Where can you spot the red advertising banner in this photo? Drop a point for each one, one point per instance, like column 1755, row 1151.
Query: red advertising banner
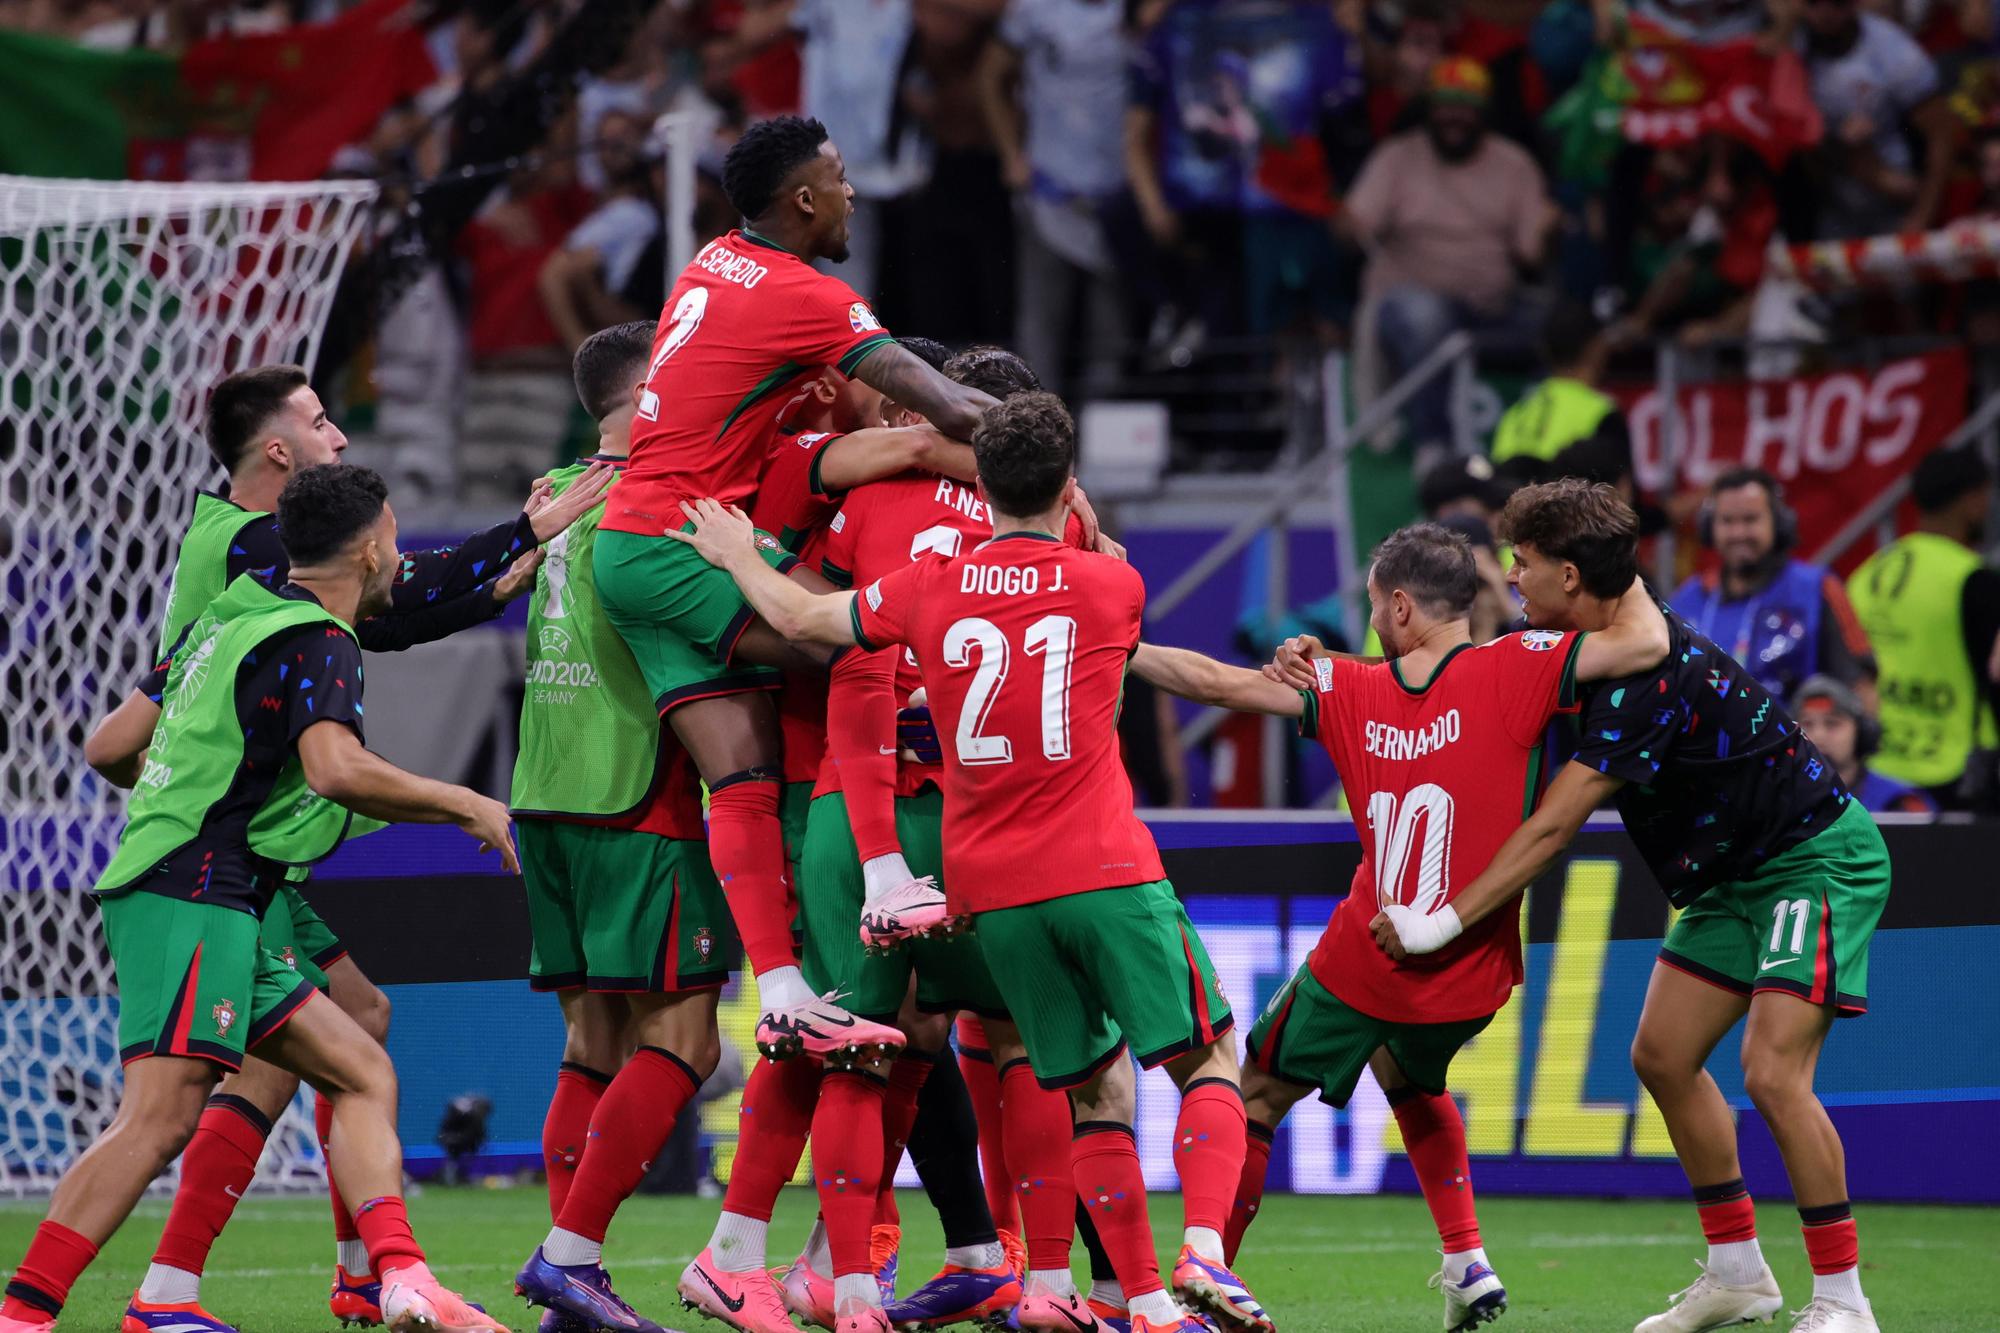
column 1835, row 440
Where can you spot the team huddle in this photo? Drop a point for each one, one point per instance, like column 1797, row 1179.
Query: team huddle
column 893, row 662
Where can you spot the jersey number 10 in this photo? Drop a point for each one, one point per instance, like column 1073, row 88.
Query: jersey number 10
column 1395, row 826
column 1051, row 637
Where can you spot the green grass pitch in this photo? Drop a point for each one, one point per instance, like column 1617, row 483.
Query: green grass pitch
column 1319, row 1264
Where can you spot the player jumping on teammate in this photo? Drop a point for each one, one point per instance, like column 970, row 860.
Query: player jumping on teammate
column 1100, row 956
column 747, row 319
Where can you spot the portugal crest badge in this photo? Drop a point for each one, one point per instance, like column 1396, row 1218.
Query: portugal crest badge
column 704, row 943
column 224, row 1015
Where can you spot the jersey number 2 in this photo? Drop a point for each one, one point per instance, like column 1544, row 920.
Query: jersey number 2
column 682, row 321
column 1395, row 826
column 1054, row 638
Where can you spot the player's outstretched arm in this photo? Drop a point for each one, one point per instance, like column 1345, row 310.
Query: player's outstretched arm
column 724, row 536
column 117, row 744
column 1528, row 851
column 862, row 456
column 1194, row 676
column 1634, row 641
column 906, row 378
column 343, row 770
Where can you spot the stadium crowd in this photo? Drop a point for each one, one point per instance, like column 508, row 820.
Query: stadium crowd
column 1161, row 183
column 1143, row 185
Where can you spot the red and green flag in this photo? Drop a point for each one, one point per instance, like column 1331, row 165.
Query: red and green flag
column 273, row 106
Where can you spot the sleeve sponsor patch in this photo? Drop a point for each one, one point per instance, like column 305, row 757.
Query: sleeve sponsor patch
column 1323, row 666
column 862, row 318
column 874, row 595
column 839, row 521
column 1540, row 640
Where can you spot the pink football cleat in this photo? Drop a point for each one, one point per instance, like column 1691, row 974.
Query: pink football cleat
column 915, row 908
column 414, row 1301
column 822, row 1028
column 746, row 1301
column 1058, row 1314
column 807, row 1294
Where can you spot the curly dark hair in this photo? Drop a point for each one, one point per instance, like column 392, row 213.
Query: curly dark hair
column 758, row 163
column 928, row 350
column 607, row 362
column 992, row 370
column 1025, row 448
column 1432, row 564
column 1586, row 523
column 323, row 509
column 243, row 404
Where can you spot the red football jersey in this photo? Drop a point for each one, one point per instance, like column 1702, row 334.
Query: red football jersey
column 1023, row 642
column 882, row 527
column 744, row 321
column 1438, row 776
column 791, row 504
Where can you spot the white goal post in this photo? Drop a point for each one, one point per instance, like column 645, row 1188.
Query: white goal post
column 121, row 304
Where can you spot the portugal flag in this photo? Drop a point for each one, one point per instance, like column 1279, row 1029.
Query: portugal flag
column 275, row 106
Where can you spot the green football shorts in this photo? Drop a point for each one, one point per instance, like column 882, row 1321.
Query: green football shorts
column 193, row 980
column 622, row 911
column 951, row 974
column 680, row 615
column 1088, row 974
column 1309, row 1037
column 1800, row 924
column 794, row 808
column 294, row 932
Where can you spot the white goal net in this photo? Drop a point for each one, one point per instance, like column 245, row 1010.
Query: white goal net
column 121, row 304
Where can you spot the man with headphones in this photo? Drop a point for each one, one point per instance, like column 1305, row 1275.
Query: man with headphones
column 1782, row 618
column 1832, row 717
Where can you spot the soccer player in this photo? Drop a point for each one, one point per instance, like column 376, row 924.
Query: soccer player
column 264, row 425
column 1023, row 642
column 1780, row 874
column 630, row 928
column 745, row 322
column 870, row 811
column 1442, row 748
column 808, row 475
column 258, row 765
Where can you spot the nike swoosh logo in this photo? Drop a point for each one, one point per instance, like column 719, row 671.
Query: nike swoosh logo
column 734, row 1307
column 1768, row 964
column 889, row 750
column 234, row 1194
column 1082, row 1326
column 833, row 1022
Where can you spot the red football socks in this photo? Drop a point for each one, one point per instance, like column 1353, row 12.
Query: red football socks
column 1832, row 1243
column 746, row 845
column 1728, row 1214
column 566, row 1127
column 1208, row 1151
column 384, row 1225
column 1105, row 1163
column 899, row 1111
column 982, row 1085
column 1434, row 1137
column 1249, row 1187
column 216, row 1167
column 860, row 719
column 56, row 1256
column 777, row 1114
column 631, row 1123
column 343, row 1220
column 847, row 1164
column 1035, row 1126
